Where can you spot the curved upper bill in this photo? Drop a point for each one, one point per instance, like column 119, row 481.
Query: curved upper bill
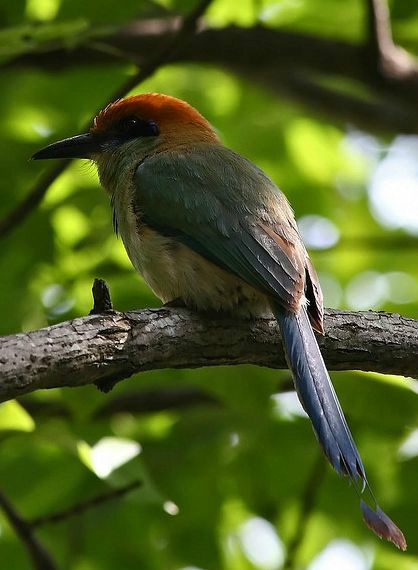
column 80, row 146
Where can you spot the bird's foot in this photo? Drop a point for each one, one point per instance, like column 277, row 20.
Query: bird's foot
column 175, row 304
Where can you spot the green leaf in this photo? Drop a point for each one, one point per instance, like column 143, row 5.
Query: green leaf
column 14, row 417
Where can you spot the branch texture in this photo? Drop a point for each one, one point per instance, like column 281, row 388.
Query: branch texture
column 113, row 346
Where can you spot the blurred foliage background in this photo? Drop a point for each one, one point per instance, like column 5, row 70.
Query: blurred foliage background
column 231, row 476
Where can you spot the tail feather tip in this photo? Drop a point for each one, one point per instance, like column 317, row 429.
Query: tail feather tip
column 383, row 526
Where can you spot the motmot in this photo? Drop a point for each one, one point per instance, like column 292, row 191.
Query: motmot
column 208, row 229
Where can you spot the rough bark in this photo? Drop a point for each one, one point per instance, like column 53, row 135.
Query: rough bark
column 112, row 346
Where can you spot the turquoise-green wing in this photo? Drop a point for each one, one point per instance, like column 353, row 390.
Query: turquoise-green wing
column 226, row 209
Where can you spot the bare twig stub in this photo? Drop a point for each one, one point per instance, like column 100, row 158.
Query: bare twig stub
column 116, row 345
column 41, row 559
column 101, row 297
column 150, row 66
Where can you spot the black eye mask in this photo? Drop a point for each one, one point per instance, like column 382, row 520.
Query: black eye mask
column 132, row 127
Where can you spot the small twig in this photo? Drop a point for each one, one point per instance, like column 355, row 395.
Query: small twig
column 308, row 503
column 80, row 508
column 139, row 402
column 157, row 400
column 29, row 203
column 380, row 33
column 391, row 60
column 187, row 29
column 142, row 401
column 41, row 558
column 395, row 241
column 368, row 113
column 168, row 51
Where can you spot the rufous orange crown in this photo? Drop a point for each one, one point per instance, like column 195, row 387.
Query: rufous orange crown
column 164, row 110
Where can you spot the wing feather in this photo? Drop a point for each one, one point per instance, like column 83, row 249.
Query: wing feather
column 226, row 209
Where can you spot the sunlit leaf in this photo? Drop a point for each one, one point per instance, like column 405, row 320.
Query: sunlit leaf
column 14, row 417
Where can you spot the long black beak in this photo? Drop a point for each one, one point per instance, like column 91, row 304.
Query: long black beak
column 80, row 146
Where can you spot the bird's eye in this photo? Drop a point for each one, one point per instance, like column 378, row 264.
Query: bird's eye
column 136, row 127
column 129, row 124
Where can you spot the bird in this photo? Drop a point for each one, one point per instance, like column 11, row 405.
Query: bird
column 209, row 230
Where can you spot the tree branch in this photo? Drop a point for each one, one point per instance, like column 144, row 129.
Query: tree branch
column 390, row 241
column 157, row 400
column 391, row 60
column 41, row 559
column 161, row 55
column 113, row 346
column 33, row 198
column 272, row 57
column 373, row 113
column 143, row 401
column 80, row 508
column 379, row 28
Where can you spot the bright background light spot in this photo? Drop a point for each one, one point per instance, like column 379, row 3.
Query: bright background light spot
column 403, row 288
column 363, row 145
column 29, row 124
column 110, row 453
column 368, row 290
column 234, row 439
column 171, row 508
column 287, row 405
column 56, row 300
column 261, row 544
column 42, row 9
column 409, row 447
column 318, row 232
column 70, row 224
column 41, row 129
column 393, row 190
column 282, row 12
column 331, row 290
column 342, row 555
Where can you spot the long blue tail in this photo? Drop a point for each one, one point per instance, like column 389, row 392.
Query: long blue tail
column 317, row 394
column 318, row 397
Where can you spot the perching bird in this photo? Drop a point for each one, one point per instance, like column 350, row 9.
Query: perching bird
column 207, row 228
